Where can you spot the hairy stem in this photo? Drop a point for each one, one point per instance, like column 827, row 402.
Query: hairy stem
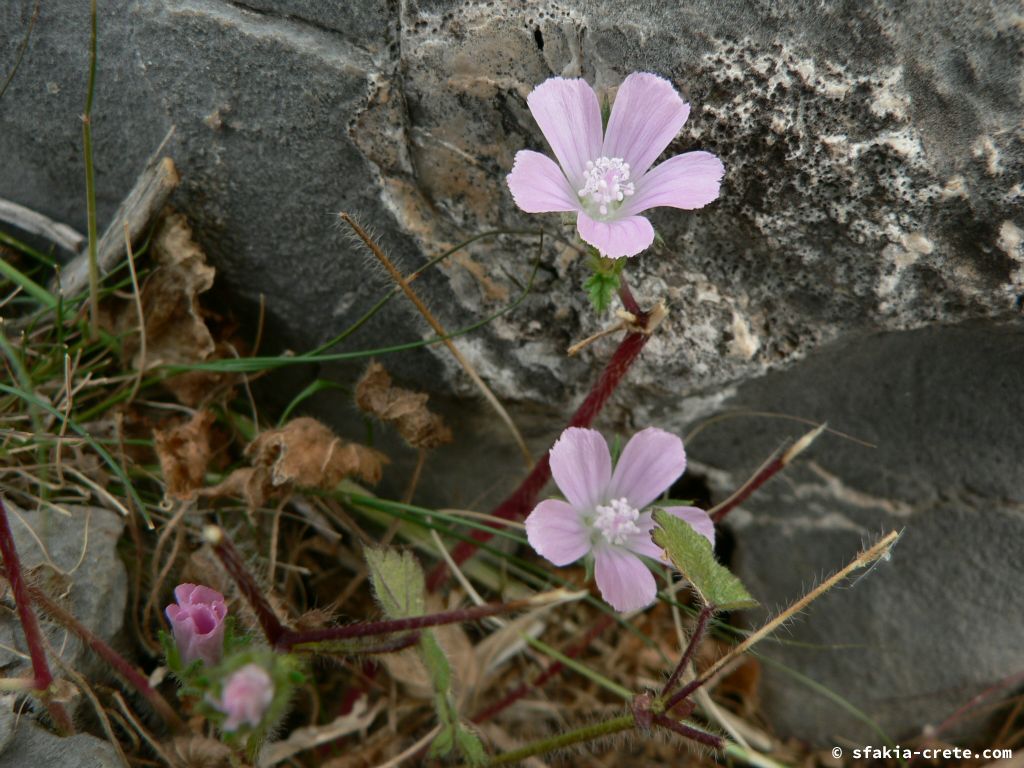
column 691, row 647
column 291, row 640
column 587, row 733
column 272, row 627
column 870, row 555
column 701, row 737
column 29, row 622
column 121, row 665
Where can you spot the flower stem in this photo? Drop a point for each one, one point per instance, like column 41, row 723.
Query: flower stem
column 29, row 623
column 629, row 303
column 587, row 733
column 525, row 496
column 691, row 647
column 701, row 737
column 120, row 665
column 273, row 629
column 290, row 640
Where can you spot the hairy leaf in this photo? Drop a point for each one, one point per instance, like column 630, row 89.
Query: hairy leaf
column 397, row 581
column 691, row 553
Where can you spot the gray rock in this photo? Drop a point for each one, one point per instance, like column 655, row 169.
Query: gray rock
column 874, row 163
column 918, row 636
column 27, row 743
column 81, row 562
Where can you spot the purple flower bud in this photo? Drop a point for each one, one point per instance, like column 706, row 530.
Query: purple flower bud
column 198, row 623
column 245, row 698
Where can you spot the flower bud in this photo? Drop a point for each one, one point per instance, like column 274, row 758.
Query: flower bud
column 198, row 623
column 247, row 694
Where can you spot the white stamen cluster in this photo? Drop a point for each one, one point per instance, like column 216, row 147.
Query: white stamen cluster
column 616, row 521
column 606, row 182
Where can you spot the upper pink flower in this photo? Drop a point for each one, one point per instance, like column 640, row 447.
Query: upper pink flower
column 607, row 180
column 603, row 512
column 198, row 623
column 245, row 698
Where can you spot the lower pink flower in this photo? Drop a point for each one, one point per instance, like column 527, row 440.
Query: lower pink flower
column 605, row 512
column 246, row 697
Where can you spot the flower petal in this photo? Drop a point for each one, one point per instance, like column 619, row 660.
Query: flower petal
column 688, row 181
column 652, row 460
column 698, row 519
column 570, row 118
column 625, row 582
column 538, row 184
column 582, row 467
column 647, row 114
column 627, row 236
column 555, row 530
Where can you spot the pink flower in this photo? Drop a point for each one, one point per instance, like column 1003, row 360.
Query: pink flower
column 607, row 180
column 198, row 623
column 247, row 694
column 603, row 512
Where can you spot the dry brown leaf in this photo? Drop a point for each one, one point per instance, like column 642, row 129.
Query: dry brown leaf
column 249, row 483
column 302, row 453
column 175, row 327
column 184, row 453
column 175, row 330
column 406, row 409
column 308, row 454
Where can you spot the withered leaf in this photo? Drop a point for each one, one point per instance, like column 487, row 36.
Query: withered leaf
column 302, row 453
column 406, row 409
column 184, row 453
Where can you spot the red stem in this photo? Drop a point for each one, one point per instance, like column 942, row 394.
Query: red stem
column 369, row 629
column 763, row 476
column 29, row 622
column 683, row 692
column 121, row 665
column 524, row 497
column 695, row 638
column 273, row 629
column 701, row 737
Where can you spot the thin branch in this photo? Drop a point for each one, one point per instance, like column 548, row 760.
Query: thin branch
column 389, row 626
column 691, row 647
column 701, row 737
column 776, row 463
column 440, row 331
column 874, row 553
column 272, row 627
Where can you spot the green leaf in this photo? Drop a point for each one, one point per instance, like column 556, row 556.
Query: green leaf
column 601, row 289
column 691, row 553
column 470, row 747
column 436, row 663
column 397, row 581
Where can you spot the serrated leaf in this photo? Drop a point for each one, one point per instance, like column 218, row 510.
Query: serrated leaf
column 470, row 747
column 397, row 581
column 601, row 290
column 691, row 553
